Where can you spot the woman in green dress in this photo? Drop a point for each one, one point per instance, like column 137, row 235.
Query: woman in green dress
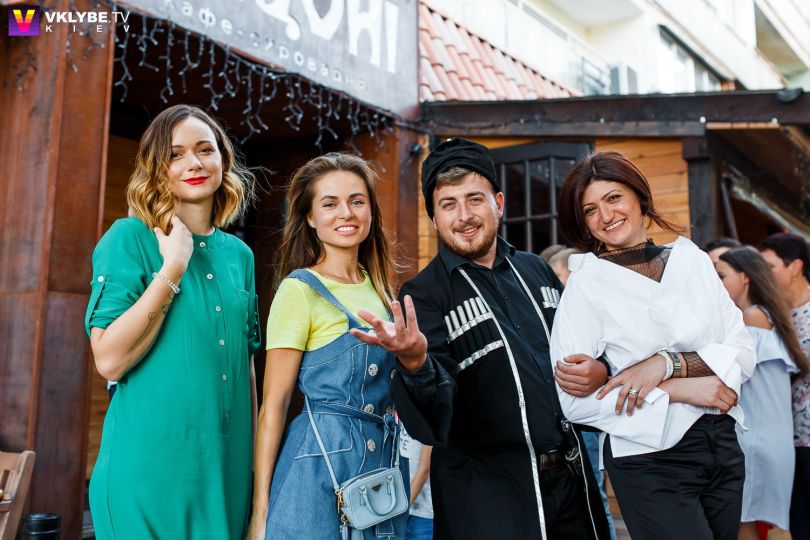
column 173, row 318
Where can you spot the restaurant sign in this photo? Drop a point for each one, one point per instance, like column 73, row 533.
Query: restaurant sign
column 366, row 48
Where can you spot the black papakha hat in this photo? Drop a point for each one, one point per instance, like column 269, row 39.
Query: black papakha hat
column 451, row 153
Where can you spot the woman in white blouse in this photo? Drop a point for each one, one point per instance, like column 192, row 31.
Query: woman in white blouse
column 676, row 346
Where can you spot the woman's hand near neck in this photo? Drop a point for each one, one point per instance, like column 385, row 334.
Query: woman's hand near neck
column 340, row 265
column 196, row 216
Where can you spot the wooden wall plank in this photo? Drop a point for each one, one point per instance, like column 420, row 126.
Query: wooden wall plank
column 54, row 137
column 397, row 194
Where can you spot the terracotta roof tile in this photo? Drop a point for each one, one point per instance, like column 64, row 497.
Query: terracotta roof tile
column 428, row 77
column 458, row 86
column 425, row 19
column 473, row 91
column 456, row 64
column 446, row 83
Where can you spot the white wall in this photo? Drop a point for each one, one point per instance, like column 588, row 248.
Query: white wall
column 720, row 33
column 727, row 45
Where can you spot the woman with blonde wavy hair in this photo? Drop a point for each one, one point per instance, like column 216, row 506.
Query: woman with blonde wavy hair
column 172, row 317
column 334, row 260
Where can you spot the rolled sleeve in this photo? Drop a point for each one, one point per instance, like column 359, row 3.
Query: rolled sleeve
column 722, row 360
column 119, row 276
column 254, row 324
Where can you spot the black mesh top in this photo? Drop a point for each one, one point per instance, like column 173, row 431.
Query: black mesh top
column 650, row 260
column 645, row 258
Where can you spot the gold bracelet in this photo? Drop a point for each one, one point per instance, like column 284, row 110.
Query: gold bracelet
column 172, row 285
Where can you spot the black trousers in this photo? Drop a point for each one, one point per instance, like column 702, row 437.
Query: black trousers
column 565, row 505
column 692, row 491
column 800, row 501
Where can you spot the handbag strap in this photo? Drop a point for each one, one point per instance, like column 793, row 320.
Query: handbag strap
column 335, row 485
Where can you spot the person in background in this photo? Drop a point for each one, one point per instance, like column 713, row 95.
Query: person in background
column 765, row 397
column 559, row 263
column 333, row 260
column 420, row 520
column 173, row 319
column 715, row 248
column 787, row 255
column 660, row 316
column 550, row 251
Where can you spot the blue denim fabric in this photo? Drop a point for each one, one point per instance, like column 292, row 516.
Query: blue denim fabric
column 348, row 385
column 419, row 528
column 591, row 441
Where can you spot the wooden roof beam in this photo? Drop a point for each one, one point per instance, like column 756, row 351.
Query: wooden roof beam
column 643, row 116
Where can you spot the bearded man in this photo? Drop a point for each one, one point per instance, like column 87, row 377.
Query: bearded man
column 475, row 378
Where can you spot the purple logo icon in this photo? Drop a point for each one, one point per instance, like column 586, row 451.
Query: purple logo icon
column 23, row 21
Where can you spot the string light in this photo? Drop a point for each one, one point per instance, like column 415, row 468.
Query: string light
column 226, row 76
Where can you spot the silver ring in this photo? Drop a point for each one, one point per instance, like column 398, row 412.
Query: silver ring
column 633, row 392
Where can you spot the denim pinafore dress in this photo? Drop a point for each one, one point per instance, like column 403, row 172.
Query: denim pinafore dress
column 348, row 384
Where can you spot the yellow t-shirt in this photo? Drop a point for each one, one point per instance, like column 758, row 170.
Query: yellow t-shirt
column 302, row 319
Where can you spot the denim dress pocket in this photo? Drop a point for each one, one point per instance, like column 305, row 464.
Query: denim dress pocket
column 336, row 434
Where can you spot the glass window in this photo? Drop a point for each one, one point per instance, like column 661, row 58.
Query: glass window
column 681, row 71
column 531, row 176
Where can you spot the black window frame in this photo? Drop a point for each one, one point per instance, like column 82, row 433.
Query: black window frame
column 525, row 154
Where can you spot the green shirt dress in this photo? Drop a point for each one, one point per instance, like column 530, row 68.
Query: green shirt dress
column 176, row 450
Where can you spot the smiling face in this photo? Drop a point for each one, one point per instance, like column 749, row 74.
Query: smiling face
column 466, row 216
column 195, row 164
column 613, row 214
column 736, row 283
column 340, row 211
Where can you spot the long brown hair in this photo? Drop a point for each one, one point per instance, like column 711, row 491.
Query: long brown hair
column 149, row 193
column 300, row 246
column 613, row 167
column 763, row 291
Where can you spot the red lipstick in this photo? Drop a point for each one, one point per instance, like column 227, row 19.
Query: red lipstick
column 196, row 181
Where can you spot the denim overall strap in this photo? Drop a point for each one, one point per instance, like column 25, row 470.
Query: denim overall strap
column 309, row 278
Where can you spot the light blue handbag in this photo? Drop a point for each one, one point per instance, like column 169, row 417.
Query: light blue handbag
column 367, row 499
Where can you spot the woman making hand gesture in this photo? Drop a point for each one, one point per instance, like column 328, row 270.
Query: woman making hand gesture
column 334, row 259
